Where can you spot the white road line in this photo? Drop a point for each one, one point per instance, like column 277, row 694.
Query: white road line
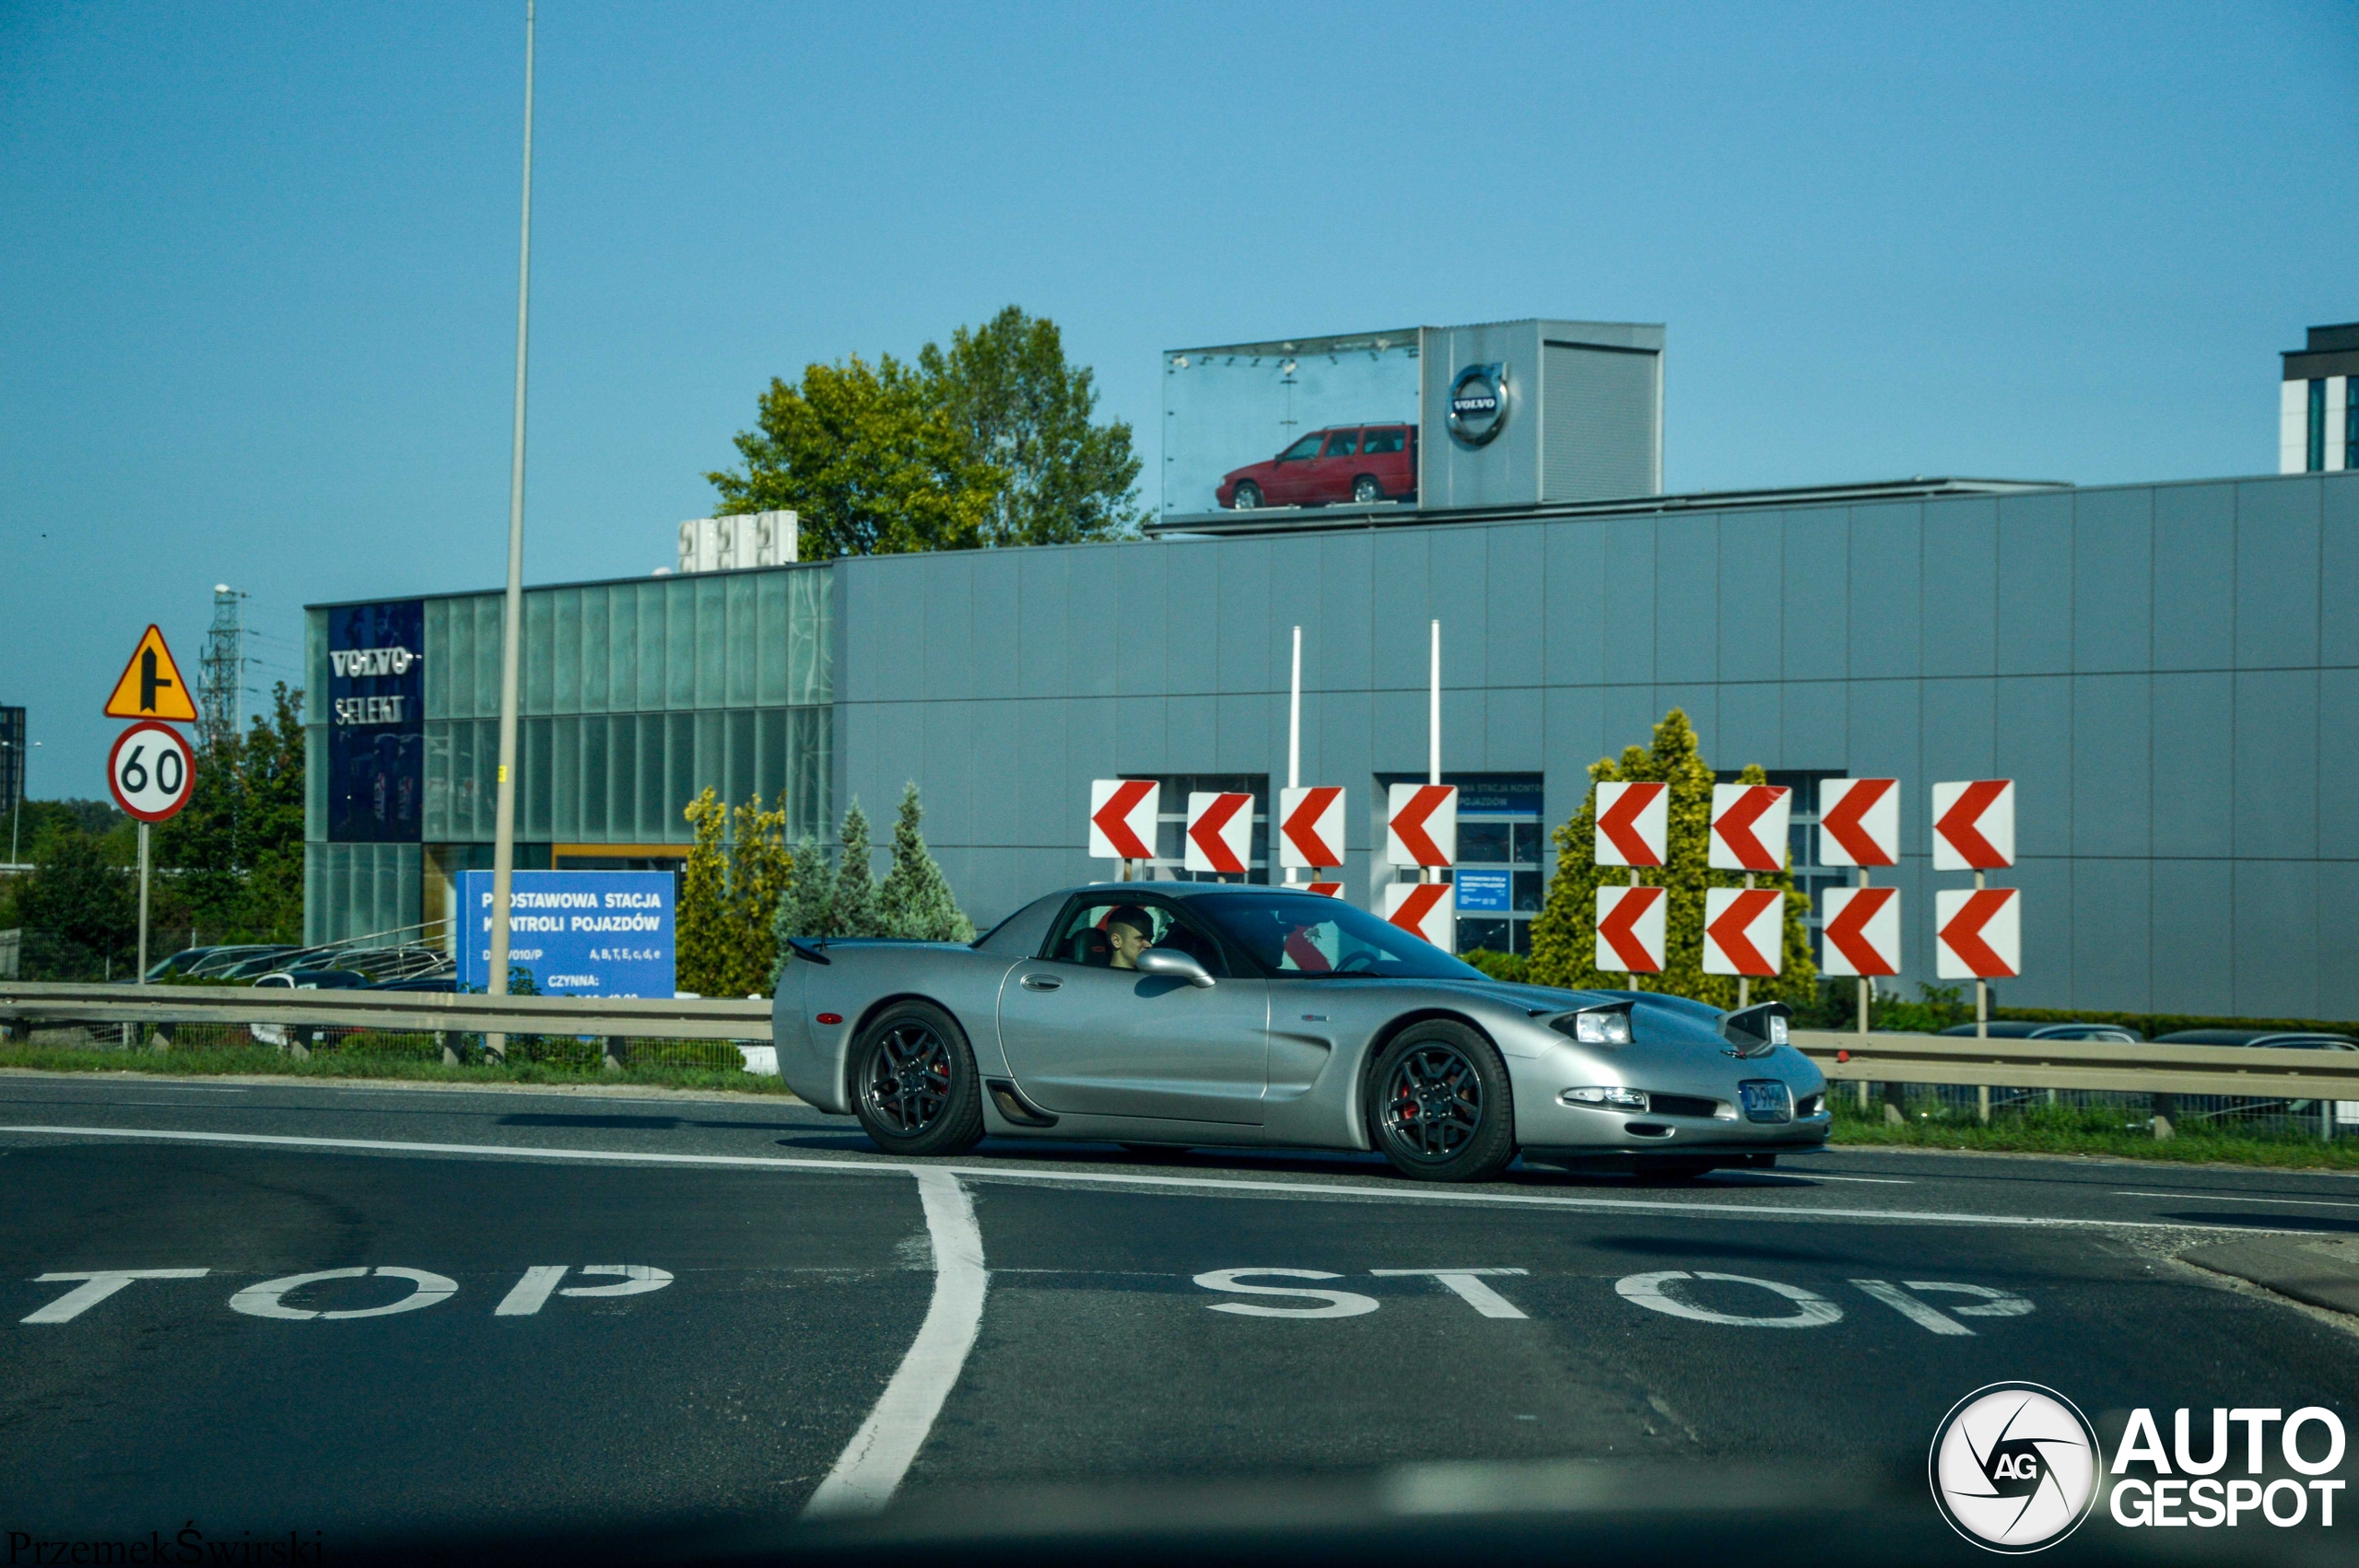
column 1800, row 1174
column 1404, row 1193
column 873, row 1464
column 2240, row 1198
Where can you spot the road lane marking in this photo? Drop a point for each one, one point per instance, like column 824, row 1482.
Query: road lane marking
column 2240, row 1198
column 1404, row 1193
column 1993, row 1304
column 531, row 1292
column 1467, row 1285
column 265, row 1299
column 1339, row 1303
column 96, row 1286
column 873, row 1464
column 1925, row 1314
column 1811, row 1309
column 638, row 1280
column 1801, row 1173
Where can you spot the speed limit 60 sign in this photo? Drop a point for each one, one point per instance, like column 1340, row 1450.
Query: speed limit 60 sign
column 150, row 771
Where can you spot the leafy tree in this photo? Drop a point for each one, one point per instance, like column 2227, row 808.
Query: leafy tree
column 807, row 906
column 1026, row 411
column 872, row 458
column 237, row 847
column 79, row 907
column 916, row 899
column 700, row 921
column 1564, row 934
column 759, row 868
column 857, row 911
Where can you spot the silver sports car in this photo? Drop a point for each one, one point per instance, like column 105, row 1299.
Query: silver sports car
column 1196, row 1014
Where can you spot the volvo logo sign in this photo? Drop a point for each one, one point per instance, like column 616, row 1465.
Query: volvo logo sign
column 1478, row 404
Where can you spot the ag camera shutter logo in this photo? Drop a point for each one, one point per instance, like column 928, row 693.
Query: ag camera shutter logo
column 2015, row 1467
column 1478, row 404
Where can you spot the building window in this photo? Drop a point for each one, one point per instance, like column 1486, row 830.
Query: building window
column 1171, row 824
column 2350, row 421
column 1500, row 845
column 2317, row 458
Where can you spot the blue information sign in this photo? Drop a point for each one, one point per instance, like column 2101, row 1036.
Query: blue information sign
column 1481, row 892
column 580, row 933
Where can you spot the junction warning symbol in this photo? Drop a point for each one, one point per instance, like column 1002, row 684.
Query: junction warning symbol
column 151, row 686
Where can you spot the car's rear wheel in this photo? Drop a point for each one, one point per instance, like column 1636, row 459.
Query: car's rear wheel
column 1441, row 1109
column 914, row 1084
column 1246, row 497
column 1365, row 490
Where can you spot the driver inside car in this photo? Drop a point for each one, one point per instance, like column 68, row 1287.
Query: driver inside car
column 1131, row 931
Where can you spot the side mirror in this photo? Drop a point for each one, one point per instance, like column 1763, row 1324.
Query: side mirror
column 1177, row 964
column 1757, row 1029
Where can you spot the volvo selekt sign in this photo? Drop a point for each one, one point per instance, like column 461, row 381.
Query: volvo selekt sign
column 1478, row 402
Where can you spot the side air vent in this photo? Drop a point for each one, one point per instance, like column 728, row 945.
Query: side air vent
column 1014, row 1106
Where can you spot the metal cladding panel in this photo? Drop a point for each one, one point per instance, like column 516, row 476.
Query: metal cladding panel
column 2113, row 580
column 1818, row 552
column 1886, row 562
column 2034, row 749
column 1753, row 602
column 2277, row 764
column 2195, row 566
column 947, row 673
column 2277, row 574
column 2195, row 765
column 1961, row 742
column 2047, row 915
column 1139, row 612
column 1516, row 599
column 1630, row 599
column 2339, row 571
column 1093, row 625
column 1600, row 435
column 2339, row 765
column 2277, row 939
column 1960, row 630
column 2035, row 585
column 1505, row 471
column 1688, row 592
column 1815, row 715
column 2113, row 805
column 1750, row 728
column 1575, row 604
column 2194, row 936
column 2338, row 974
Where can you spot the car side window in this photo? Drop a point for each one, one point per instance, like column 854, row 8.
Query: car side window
column 1384, row 441
column 1305, row 447
column 1343, row 444
column 1088, row 936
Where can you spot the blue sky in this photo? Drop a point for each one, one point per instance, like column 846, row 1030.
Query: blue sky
column 257, row 266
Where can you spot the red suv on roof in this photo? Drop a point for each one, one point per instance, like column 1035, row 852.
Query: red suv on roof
column 1349, row 462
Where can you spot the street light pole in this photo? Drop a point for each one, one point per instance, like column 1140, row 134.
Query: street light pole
column 503, row 853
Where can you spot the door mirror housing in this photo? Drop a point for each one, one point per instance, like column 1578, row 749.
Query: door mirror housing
column 1177, row 965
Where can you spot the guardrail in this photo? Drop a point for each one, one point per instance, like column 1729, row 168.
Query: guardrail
column 392, row 1011
column 2141, row 1067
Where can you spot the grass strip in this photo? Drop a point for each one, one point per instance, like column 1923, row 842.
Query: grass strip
column 2078, row 1130
column 258, row 1059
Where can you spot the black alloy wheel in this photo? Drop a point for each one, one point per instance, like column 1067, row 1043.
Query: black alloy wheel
column 1441, row 1109
column 914, row 1084
column 1246, row 496
column 1365, row 490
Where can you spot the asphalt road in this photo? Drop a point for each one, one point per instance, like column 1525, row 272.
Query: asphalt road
column 609, row 1306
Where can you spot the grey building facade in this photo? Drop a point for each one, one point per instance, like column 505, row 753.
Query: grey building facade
column 2169, row 672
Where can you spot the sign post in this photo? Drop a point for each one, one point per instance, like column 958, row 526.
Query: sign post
column 1974, row 829
column 1122, row 820
column 1633, row 830
column 150, row 773
column 1749, row 836
column 1859, row 825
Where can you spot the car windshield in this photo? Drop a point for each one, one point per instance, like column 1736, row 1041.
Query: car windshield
column 1306, row 447
column 1305, row 936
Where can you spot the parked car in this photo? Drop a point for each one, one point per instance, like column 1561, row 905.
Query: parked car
column 1352, row 462
column 2267, row 1039
column 2021, row 1029
column 218, row 964
column 180, row 962
column 301, row 980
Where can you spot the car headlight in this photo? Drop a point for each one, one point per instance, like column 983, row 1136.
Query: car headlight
column 1603, row 1027
column 1607, row 1097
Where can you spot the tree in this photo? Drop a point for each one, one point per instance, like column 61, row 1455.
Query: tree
column 79, row 907
column 701, row 922
column 1564, row 935
column 759, row 868
column 238, row 845
column 857, row 911
column 1026, row 411
column 807, row 906
column 872, row 458
column 916, row 899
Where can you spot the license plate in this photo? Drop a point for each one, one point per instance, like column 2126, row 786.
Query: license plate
column 1766, row 1099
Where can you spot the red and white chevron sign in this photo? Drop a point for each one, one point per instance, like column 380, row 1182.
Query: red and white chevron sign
column 1858, row 823
column 1421, row 825
column 1220, row 831
column 1749, row 831
column 1629, row 928
column 1428, row 909
column 1978, row 934
column 1122, row 818
column 1311, row 826
column 1862, row 932
column 1744, row 930
column 1324, row 889
column 1974, row 826
column 1633, row 825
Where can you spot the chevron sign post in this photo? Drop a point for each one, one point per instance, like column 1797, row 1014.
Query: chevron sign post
column 1749, row 826
column 1745, row 929
column 1974, row 826
column 1862, row 932
column 1421, row 827
column 1311, row 826
column 1858, row 822
column 1630, row 929
column 1122, row 818
column 1220, row 832
column 1979, row 933
column 1427, row 909
column 1633, row 825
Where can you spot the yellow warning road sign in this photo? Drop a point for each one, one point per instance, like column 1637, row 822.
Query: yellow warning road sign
column 151, row 686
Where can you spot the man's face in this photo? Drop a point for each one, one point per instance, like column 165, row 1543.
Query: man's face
column 1128, row 942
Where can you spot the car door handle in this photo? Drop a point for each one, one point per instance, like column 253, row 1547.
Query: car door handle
column 1041, row 982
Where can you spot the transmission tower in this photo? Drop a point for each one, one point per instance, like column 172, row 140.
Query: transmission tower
column 224, row 671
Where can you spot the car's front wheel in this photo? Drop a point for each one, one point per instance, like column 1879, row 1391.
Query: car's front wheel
column 1441, row 1109
column 1365, row 490
column 914, row 1084
column 1246, row 497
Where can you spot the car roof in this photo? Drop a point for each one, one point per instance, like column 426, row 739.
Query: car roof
column 2249, row 1037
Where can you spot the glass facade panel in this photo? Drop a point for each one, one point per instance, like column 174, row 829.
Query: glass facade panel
column 565, row 664
column 538, row 656
column 651, row 647
column 592, row 809
column 594, row 648
column 315, row 667
column 770, row 639
column 2316, row 461
column 739, row 664
column 566, row 782
column 2350, row 421
column 315, row 784
column 679, row 645
column 533, row 760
